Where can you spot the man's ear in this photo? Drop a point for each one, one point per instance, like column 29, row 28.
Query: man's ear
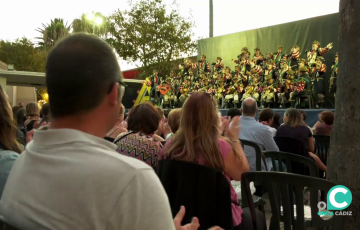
column 113, row 96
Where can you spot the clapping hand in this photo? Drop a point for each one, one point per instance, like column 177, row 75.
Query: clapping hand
column 231, row 128
column 264, row 123
column 124, row 124
column 166, row 129
column 234, row 128
column 194, row 225
column 30, row 134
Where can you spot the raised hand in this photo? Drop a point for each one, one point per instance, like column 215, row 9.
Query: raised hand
column 194, row 225
column 234, row 128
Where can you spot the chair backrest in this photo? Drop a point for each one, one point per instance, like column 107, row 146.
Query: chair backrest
column 259, row 155
column 280, row 186
column 289, row 159
column 205, row 192
column 322, row 146
column 294, row 146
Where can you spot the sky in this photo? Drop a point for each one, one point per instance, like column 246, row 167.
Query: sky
column 20, row 18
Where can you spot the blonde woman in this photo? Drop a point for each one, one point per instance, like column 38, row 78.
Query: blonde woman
column 197, row 140
column 32, row 114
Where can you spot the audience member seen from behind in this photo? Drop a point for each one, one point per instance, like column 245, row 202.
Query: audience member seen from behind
column 266, row 117
column 233, row 112
column 160, row 131
column 295, row 127
column 9, row 146
column 251, row 130
column 166, row 113
column 197, row 140
column 117, row 129
column 14, row 111
column 325, row 123
column 32, row 115
column 21, row 118
column 140, row 142
column 20, row 134
column 276, row 121
column 73, row 161
column 173, row 123
column 45, row 109
column 304, row 116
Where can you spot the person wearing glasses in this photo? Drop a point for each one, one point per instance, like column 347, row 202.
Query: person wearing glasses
column 69, row 177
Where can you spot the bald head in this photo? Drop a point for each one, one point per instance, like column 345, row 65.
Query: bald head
column 249, row 107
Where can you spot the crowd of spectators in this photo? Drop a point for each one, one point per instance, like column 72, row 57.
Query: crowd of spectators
column 85, row 163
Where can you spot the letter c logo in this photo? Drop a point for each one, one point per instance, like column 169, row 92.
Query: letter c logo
column 343, row 198
column 332, row 197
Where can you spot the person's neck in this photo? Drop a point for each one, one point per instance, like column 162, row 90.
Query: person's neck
column 83, row 123
column 247, row 115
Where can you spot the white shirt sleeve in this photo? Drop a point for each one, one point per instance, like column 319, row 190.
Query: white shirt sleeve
column 142, row 205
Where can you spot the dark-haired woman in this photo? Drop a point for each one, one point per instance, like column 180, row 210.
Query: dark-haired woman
column 9, row 146
column 276, row 121
column 140, row 142
column 295, row 127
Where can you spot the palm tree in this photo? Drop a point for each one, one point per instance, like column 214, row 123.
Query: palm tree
column 83, row 24
column 52, row 32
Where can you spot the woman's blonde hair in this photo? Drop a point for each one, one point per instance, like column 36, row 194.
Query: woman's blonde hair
column 122, row 110
column 8, row 129
column 294, row 118
column 32, row 109
column 198, row 133
column 174, row 119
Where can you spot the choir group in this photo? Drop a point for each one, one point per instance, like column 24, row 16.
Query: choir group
column 274, row 80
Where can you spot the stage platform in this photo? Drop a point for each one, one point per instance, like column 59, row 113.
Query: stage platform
column 312, row 114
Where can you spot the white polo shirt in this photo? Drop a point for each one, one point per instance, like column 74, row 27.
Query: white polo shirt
column 67, row 179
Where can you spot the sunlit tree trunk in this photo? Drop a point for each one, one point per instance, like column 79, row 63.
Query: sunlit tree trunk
column 344, row 158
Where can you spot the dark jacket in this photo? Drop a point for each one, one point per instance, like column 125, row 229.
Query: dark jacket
column 203, row 191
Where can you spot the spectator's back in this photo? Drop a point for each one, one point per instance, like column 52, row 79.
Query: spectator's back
column 252, row 130
column 69, row 177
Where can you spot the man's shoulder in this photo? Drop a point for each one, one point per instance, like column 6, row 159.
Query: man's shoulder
column 258, row 127
column 95, row 155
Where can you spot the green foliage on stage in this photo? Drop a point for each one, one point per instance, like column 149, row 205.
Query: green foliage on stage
column 23, row 55
column 151, row 34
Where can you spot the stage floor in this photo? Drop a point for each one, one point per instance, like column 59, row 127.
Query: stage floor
column 312, row 114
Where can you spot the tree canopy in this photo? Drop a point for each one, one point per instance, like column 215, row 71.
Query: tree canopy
column 152, row 35
column 23, row 55
column 52, row 32
column 83, row 24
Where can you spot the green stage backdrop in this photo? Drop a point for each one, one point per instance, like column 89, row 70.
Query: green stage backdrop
column 302, row 33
